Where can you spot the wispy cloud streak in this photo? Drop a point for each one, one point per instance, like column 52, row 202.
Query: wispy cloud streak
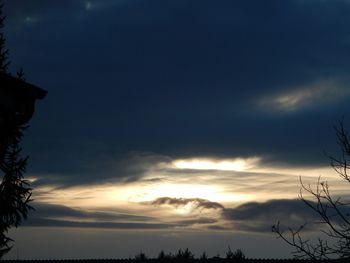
column 197, row 203
column 318, row 93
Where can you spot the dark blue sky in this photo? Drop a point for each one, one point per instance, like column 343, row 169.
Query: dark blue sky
column 179, row 79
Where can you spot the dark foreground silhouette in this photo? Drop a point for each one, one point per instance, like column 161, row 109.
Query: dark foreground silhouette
column 17, row 101
column 17, row 104
column 184, row 256
column 210, row 260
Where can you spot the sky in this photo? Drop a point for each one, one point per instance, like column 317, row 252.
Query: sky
column 174, row 124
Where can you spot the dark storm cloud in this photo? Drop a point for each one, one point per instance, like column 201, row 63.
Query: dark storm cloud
column 44, row 222
column 248, row 217
column 50, row 211
column 41, row 222
column 198, row 203
column 50, row 215
column 198, row 221
column 283, row 209
column 128, row 168
column 179, row 78
column 251, row 217
column 259, row 217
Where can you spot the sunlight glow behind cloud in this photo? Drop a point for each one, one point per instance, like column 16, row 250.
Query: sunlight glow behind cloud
column 210, row 192
column 229, row 181
column 238, row 164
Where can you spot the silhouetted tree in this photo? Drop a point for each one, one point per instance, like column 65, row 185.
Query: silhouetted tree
column 15, row 192
column 333, row 211
column 216, row 257
column 236, row 255
column 141, row 256
column 4, row 53
column 204, row 256
column 163, row 256
column 184, row 255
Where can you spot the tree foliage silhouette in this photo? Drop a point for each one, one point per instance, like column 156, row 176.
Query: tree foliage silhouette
column 187, row 256
column 333, row 211
column 4, row 53
column 236, row 255
column 15, row 193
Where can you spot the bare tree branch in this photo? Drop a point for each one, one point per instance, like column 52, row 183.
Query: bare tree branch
column 332, row 211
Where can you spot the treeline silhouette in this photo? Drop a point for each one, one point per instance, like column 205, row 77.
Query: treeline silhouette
column 185, row 256
column 230, row 257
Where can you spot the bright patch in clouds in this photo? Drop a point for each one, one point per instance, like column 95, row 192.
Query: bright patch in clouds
column 227, row 181
column 238, row 164
column 122, row 196
column 209, row 192
column 316, row 93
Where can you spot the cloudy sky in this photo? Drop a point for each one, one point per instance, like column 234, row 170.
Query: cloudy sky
column 174, row 124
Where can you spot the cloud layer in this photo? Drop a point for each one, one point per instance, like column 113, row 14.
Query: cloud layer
column 316, row 94
column 249, row 217
column 197, row 203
